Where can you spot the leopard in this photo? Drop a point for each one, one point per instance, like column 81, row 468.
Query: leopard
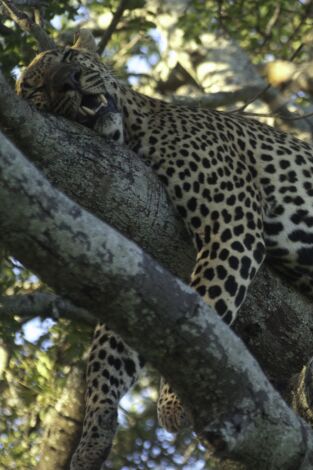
column 243, row 189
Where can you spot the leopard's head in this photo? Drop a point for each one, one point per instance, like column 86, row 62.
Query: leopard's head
column 72, row 82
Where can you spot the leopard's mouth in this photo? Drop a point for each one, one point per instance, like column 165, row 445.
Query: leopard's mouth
column 91, row 107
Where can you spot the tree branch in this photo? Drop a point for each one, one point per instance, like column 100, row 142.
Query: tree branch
column 26, row 24
column 275, row 101
column 119, row 188
column 112, row 27
column 43, row 305
column 158, row 315
column 31, row 3
column 218, row 99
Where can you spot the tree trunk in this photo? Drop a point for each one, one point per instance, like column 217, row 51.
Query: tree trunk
column 63, row 424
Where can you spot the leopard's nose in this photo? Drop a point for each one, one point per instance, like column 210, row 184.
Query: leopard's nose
column 71, row 80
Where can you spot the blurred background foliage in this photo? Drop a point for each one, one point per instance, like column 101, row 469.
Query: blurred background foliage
column 159, row 47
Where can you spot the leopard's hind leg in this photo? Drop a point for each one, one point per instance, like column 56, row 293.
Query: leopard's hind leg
column 231, row 250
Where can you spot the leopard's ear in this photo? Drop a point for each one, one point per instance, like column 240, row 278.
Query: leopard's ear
column 85, row 40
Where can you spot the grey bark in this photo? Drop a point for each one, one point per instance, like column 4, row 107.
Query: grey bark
column 108, row 180
column 166, row 321
column 116, row 186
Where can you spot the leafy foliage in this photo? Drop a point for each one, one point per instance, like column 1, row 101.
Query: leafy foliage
column 39, row 355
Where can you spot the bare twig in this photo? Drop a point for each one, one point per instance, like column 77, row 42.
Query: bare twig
column 128, row 46
column 297, row 51
column 112, row 27
column 28, row 25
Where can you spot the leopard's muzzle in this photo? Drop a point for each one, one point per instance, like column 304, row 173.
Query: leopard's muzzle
column 75, row 97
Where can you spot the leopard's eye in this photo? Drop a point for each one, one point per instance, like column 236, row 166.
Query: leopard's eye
column 66, row 55
column 36, row 90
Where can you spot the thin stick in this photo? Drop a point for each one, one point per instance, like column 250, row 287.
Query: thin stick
column 112, row 27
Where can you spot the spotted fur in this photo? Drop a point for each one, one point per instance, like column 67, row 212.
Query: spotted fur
column 241, row 187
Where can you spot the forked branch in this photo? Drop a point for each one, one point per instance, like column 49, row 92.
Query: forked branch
column 26, row 24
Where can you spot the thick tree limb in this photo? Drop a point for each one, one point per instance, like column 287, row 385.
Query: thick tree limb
column 108, row 180
column 158, row 315
column 117, row 187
